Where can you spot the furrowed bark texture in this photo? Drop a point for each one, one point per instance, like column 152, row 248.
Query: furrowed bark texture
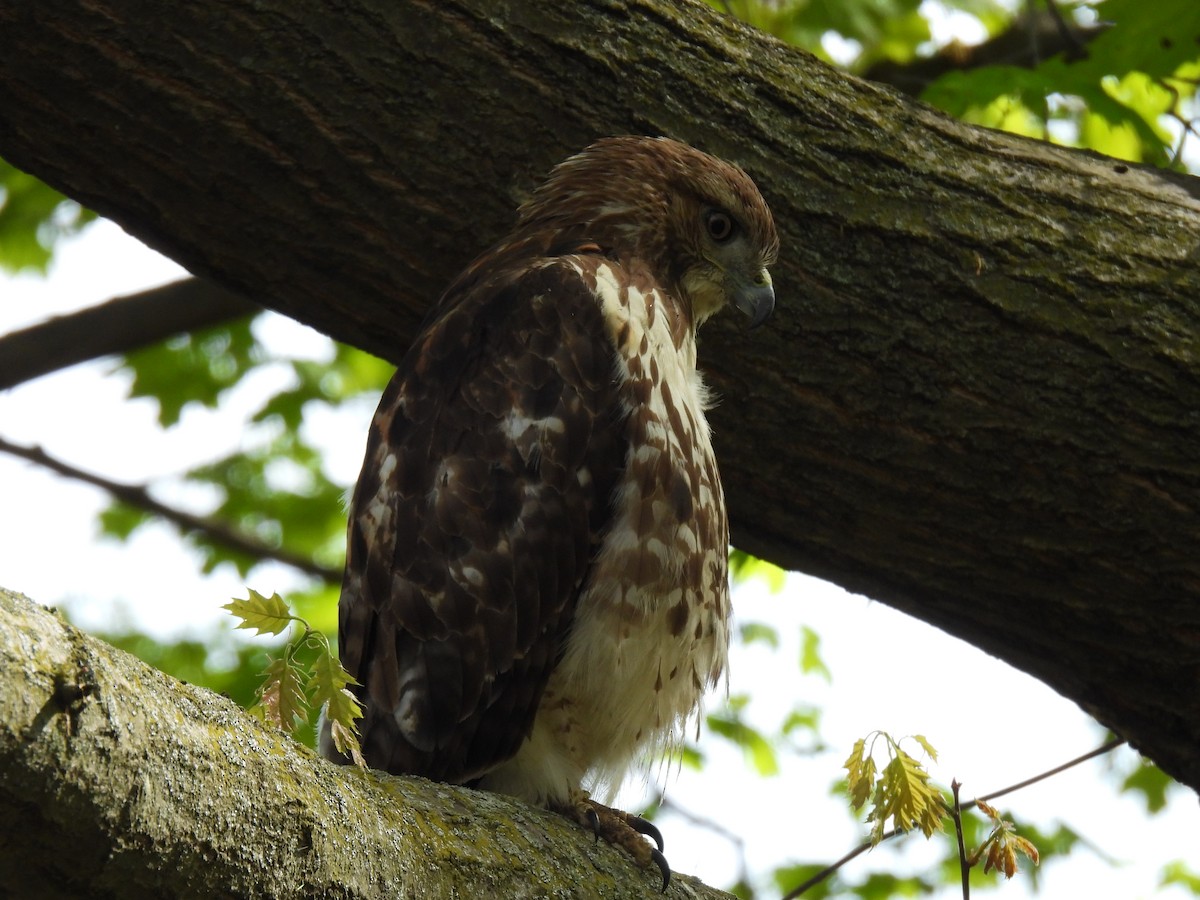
column 150, row 788
column 979, row 401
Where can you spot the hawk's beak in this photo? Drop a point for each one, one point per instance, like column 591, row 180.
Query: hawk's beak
column 755, row 297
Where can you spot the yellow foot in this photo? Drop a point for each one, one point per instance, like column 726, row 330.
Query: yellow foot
column 620, row 829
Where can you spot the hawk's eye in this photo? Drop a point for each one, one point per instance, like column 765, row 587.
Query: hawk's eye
column 720, row 225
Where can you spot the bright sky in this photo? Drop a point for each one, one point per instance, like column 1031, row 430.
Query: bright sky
column 993, row 726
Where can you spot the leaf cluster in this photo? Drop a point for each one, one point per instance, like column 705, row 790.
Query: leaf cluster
column 306, row 676
column 275, row 486
column 1000, row 849
column 33, row 218
column 901, row 792
column 1111, row 96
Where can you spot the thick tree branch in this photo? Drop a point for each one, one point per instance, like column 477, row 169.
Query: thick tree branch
column 977, row 401
column 139, row 498
column 121, row 782
column 117, row 326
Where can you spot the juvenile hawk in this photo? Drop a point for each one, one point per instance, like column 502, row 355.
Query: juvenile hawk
column 535, row 596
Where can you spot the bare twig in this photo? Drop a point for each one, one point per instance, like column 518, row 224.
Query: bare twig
column 1075, row 48
column 139, row 498
column 1107, row 747
column 963, row 864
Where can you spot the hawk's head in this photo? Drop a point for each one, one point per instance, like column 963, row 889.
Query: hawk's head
column 697, row 222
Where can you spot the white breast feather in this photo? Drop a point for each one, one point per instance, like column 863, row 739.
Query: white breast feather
column 648, row 637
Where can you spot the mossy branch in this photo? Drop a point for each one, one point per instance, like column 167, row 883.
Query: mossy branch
column 119, row 781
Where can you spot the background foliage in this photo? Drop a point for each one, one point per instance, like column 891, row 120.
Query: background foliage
column 1120, row 80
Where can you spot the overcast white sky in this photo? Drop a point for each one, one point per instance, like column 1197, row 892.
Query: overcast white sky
column 889, row 672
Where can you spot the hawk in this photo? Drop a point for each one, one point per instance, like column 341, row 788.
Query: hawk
column 535, row 596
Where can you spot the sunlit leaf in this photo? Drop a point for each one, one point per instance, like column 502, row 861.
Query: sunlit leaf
column 33, row 218
column 811, row 662
column 926, row 746
column 757, row 748
column 1178, row 872
column 267, row 615
column 1152, row 783
column 755, row 632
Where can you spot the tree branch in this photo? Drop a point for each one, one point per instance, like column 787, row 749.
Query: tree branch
column 977, row 401
column 139, row 498
column 1033, row 37
column 117, row 326
column 119, row 781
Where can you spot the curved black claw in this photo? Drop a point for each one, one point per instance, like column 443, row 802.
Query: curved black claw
column 594, row 820
column 661, row 862
column 641, row 826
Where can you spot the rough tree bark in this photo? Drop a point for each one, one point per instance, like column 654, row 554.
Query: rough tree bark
column 117, row 781
column 979, row 401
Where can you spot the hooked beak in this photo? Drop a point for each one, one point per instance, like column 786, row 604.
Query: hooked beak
column 755, row 297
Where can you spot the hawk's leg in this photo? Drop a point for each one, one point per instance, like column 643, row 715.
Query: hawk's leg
column 620, row 829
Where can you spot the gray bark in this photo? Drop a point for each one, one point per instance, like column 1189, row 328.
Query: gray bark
column 146, row 787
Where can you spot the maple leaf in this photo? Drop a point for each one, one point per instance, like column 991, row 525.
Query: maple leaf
column 267, row 615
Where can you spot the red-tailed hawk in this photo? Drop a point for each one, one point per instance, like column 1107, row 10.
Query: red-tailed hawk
column 536, row 595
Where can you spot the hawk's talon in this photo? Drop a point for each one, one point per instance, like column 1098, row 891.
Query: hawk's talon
column 593, row 818
column 648, row 828
column 620, row 829
column 661, row 861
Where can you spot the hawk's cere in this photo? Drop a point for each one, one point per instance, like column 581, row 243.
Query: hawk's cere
column 536, row 595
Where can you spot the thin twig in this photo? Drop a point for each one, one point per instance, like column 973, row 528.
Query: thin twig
column 963, row 864
column 1075, row 47
column 1106, row 747
column 139, row 498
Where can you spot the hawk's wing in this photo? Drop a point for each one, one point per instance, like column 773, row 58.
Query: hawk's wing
column 483, row 497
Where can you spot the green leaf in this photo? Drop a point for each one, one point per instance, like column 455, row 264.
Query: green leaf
column 328, row 678
column 119, row 520
column 1152, row 783
column 806, row 719
column 1130, row 76
column 1178, row 872
column 811, row 662
column 861, row 774
column 267, row 615
column 757, row 748
column 926, row 746
column 743, row 567
column 33, row 218
column 282, row 699
column 756, row 632
column 1155, row 38
column 193, row 368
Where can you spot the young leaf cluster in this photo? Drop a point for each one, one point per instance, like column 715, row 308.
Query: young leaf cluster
column 291, row 689
column 999, row 850
column 900, row 792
